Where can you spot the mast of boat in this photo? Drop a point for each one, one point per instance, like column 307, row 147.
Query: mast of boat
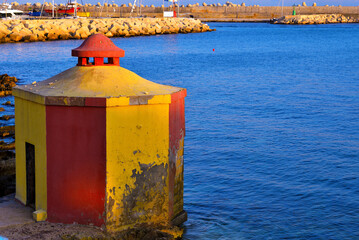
column 282, row 7
column 133, row 7
column 75, row 10
column 140, row 1
column 53, row 8
column 42, row 9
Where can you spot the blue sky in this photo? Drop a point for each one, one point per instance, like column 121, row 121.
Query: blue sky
column 247, row 2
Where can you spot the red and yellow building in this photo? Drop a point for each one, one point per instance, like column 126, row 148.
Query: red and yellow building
column 98, row 144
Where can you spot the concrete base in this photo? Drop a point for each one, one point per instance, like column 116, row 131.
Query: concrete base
column 179, row 219
column 39, row 215
column 13, row 213
column 16, row 223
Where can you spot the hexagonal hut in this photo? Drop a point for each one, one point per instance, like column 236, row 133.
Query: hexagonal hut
column 97, row 144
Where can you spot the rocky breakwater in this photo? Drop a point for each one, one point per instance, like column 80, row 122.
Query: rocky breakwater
column 62, row 29
column 315, row 19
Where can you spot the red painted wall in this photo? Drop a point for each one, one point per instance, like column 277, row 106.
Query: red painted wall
column 177, row 132
column 76, row 164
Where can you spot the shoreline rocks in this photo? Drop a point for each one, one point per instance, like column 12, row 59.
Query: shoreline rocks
column 7, row 166
column 314, row 19
column 6, row 84
column 7, row 147
column 62, row 29
column 6, row 132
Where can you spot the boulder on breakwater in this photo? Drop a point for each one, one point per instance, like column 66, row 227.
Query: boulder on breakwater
column 62, row 29
column 315, row 19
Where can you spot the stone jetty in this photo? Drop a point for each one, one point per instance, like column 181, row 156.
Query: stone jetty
column 62, row 29
column 315, row 19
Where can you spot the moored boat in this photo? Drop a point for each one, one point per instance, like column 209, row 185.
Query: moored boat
column 7, row 13
column 70, row 10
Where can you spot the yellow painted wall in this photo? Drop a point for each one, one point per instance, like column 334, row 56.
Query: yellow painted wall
column 30, row 126
column 137, row 154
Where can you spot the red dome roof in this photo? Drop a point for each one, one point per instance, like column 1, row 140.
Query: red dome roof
column 98, row 45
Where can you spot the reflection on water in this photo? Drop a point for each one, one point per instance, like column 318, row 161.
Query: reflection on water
column 272, row 143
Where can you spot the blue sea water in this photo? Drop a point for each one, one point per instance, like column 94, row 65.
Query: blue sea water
column 272, row 123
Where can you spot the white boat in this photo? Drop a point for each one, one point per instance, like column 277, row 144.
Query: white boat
column 7, row 13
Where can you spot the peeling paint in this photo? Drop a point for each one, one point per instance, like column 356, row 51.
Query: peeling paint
column 149, row 195
column 141, row 180
column 177, row 133
column 110, row 204
column 140, row 100
column 176, row 163
column 136, row 151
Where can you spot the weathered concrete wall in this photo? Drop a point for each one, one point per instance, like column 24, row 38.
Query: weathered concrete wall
column 262, row 12
column 62, row 29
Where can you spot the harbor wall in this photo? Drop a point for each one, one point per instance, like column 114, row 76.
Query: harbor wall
column 229, row 10
column 62, row 29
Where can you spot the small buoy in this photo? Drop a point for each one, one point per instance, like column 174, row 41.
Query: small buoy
column 213, row 49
